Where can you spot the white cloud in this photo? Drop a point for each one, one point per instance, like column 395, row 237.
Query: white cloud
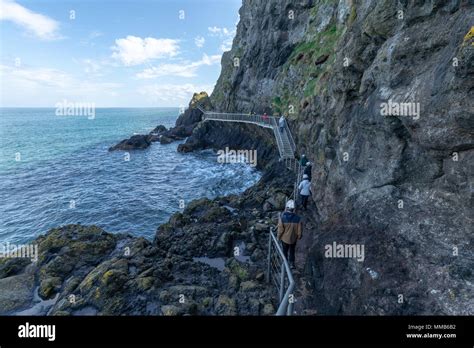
column 227, row 35
column 185, row 69
column 199, row 41
column 41, row 86
column 134, row 50
column 92, row 67
column 227, row 44
column 45, row 77
column 173, row 94
column 222, row 32
column 35, row 23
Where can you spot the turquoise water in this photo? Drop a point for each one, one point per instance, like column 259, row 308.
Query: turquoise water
column 56, row 170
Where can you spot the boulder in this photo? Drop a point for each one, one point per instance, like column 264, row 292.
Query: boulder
column 165, row 140
column 225, row 306
column 159, row 130
column 135, row 142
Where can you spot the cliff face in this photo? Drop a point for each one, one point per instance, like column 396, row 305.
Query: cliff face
column 401, row 185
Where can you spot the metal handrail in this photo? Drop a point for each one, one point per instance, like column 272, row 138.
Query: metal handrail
column 279, row 141
column 290, row 137
column 285, row 277
column 265, row 122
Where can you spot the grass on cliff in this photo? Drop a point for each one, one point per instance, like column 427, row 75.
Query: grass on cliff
column 303, row 59
column 323, row 43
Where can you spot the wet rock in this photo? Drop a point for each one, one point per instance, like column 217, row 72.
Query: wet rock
column 10, row 267
column 135, row 142
column 159, row 130
column 268, row 309
column 170, row 310
column 165, row 140
column 225, row 306
column 248, row 285
column 259, row 227
column 260, row 276
column 16, row 292
column 48, row 287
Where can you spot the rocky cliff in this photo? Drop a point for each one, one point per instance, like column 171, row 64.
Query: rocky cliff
column 398, row 182
column 379, row 95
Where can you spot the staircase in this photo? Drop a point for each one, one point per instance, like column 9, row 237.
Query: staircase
column 285, row 142
column 278, row 270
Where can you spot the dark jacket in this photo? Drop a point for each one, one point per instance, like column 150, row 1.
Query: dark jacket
column 289, row 227
column 307, row 171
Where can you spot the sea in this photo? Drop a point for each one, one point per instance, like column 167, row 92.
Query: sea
column 57, row 170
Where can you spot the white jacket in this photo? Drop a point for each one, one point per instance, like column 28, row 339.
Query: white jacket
column 305, row 188
column 282, row 121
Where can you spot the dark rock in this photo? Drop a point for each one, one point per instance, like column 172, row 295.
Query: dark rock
column 193, row 114
column 116, row 274
column 136, row 142
column 155, row 134
column 159, row 130
column 321, row 59
column 165, row 140
column 184, row 126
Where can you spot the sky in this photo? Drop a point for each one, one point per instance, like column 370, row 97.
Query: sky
column 113, row 53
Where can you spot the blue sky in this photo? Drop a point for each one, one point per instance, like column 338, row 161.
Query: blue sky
column 112, row 52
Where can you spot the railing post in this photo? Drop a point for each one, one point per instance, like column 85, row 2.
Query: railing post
column 282, row 281
column 269, row 265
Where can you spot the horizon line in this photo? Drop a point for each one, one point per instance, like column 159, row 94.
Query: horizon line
column 97, row 107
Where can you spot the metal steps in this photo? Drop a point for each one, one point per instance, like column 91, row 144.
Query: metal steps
column 278, row 270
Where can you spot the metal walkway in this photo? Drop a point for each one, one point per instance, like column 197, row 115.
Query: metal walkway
column 285, row 142
column 278, row 270
column 284, row 139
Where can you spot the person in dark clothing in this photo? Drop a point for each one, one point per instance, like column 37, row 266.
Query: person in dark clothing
column 289, row 231
column 303, row 160
column 307, row 170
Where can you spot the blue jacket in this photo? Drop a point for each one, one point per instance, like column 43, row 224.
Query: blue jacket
column 289, row 227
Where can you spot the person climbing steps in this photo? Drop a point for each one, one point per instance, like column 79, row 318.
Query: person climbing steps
column 281, row 123
column 289, row 231
column 305, row 190
column 303, row 160
column 308, row 169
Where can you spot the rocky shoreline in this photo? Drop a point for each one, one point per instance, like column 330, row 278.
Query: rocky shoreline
column 399, row 185
column 183, row 128
column 208, row 259
column 86, row 270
